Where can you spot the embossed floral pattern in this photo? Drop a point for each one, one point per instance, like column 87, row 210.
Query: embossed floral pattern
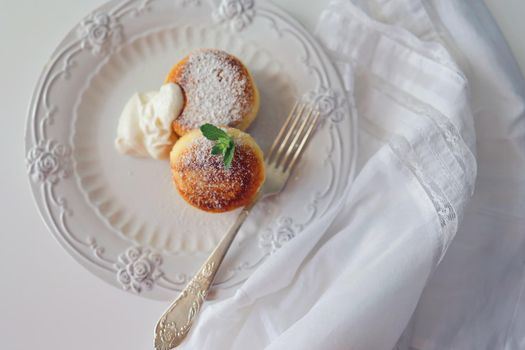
column 238, row 13
column 328, row 102
column 138, row 269
column 169, row 334
column 99, row 32
column 272, row 240
column 48, row 161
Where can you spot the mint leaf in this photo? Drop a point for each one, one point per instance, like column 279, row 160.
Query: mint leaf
column 228, row 157
column 218, row 149
column 211, row 132
column 224, row 143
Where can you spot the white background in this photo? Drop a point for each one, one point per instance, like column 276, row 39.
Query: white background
column 47, row 300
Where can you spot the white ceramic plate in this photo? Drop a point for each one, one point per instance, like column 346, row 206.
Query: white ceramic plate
column 120, row 216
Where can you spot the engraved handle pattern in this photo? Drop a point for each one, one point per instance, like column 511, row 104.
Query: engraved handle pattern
column 175, row 323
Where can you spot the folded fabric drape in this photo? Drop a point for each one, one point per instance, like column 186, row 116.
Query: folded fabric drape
column 475, row 298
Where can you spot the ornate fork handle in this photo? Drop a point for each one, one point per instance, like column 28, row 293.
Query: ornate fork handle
column 178, row 319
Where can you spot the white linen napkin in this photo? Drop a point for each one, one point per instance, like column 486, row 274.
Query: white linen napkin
column 475, row 299
column 353, row 279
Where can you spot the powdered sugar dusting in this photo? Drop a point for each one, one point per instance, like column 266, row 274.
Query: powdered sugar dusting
column 218, row 90
column 199, row 153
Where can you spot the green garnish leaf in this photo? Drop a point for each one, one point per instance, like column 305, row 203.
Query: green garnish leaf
column 228, row 157
column 224, row 143
column 218, row 149
column 211, row 132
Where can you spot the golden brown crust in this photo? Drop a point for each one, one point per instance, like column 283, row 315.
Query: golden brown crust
column 203, row 182
column 245, row 103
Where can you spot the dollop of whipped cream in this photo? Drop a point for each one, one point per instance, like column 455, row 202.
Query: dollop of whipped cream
column 144, row 128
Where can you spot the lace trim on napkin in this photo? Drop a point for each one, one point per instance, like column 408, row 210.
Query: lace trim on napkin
column 453, row 139
column 448, row 218
column 455, row 176
column 436, row 154
column 433, row 149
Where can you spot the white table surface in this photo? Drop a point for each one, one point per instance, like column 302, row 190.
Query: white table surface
column 47, row 300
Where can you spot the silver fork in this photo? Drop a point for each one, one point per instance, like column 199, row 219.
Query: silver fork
column 174, row 324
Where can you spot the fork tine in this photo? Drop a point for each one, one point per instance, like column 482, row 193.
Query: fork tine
column 281, row 132
column 300, row 148
column 290, row 132
column 297, row 137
